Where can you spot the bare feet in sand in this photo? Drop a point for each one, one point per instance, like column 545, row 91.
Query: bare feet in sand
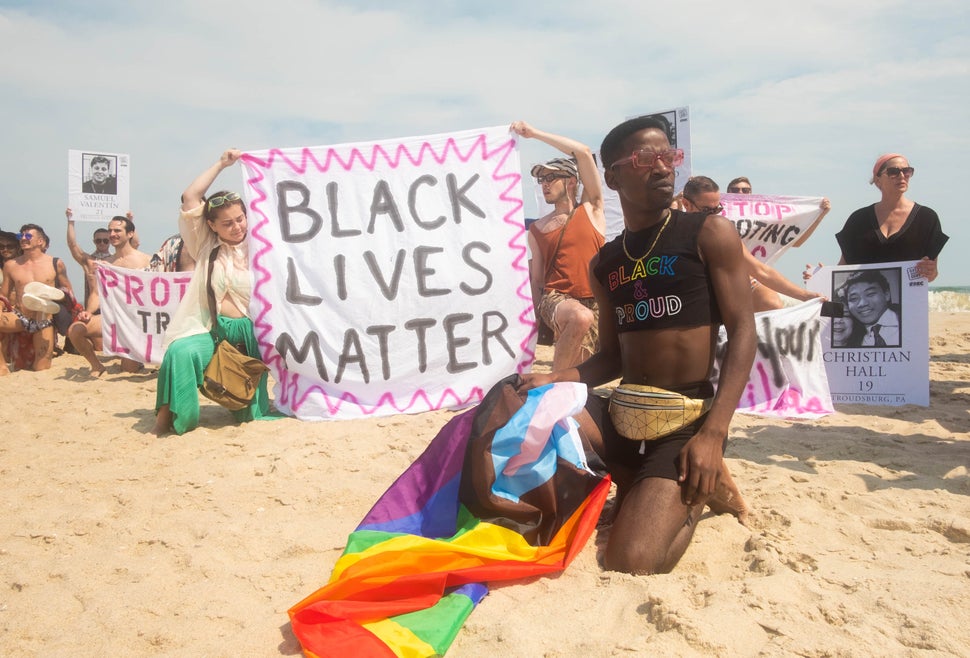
column 727, row 499
column 163, row 421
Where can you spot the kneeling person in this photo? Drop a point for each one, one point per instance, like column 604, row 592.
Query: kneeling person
column 664, row 483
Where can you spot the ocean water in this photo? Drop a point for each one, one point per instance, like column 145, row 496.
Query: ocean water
column 950, row 299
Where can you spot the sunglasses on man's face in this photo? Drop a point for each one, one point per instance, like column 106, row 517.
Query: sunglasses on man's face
column 739, row 190
column 646, row 158
column 101, row 240
column 709, row 210
column 25, row 236
column 548, row 178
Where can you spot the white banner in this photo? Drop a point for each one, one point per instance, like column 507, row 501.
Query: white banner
column 136, row 307
column 788, row 378
column 390, row 276
column 879, row 352
column 98, row 185
column 768, row 225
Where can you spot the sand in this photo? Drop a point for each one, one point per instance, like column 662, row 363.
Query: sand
column 115, row 543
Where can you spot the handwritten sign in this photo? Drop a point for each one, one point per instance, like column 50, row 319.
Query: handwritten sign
column 878, row 353
column 788, row 377
column 136, row 307
column 98, row 184
column 390, row 276
column 769, row 225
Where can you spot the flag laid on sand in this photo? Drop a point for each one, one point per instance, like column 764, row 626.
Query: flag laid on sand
column 506, row 490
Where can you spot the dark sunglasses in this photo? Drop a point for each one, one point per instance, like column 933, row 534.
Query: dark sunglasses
column 739, row 190
column 101, row 240
column 25, row 236
column 548, row 178
column 707, row 210
column 222, row 200
column 896, row 171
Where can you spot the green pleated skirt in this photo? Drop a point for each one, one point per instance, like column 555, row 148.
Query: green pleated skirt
column 180, row 375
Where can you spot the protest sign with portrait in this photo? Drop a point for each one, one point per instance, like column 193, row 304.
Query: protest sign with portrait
column 877, row 352
column 98, row 185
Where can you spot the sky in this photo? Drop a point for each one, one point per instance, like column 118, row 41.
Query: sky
column 800, row 97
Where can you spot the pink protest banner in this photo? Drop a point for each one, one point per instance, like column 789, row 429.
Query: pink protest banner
column 788, row 378
column 770, row 225
column 136, row 307
column 390, row 277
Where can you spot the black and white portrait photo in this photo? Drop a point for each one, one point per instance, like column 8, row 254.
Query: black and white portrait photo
column 100, row 174
column 872, row 312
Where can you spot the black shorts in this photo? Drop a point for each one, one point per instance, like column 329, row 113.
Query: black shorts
column 659, row 457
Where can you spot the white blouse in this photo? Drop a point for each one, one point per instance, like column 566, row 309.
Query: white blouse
column 231, row 277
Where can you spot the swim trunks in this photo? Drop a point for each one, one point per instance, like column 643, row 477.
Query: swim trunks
column 32, row 326
column 548, row 303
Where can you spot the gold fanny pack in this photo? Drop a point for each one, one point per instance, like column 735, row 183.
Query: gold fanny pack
column 645, row 413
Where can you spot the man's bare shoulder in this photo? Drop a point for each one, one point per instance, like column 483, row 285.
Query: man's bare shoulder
column 718, row 236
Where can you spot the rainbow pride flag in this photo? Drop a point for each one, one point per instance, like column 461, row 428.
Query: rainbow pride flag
column 508, row 490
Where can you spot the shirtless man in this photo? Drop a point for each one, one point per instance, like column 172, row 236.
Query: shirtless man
column 562, row 244
column 85, row 333
column 30, row 284
column 664, row 285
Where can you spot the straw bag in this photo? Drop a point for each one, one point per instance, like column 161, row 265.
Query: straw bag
column 231, row 378
column 645, row 413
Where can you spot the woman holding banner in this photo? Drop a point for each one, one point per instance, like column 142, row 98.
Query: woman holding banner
column 213, row 226
column 895, row 228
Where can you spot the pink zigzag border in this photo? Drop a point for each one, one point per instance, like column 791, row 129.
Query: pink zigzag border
column 291, row 383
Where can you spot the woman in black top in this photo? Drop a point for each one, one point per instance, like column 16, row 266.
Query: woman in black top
column 894, row 228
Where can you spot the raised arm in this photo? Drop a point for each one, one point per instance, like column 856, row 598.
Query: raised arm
column 79, row 254
column 825, row 206
column 589, row 175
column 194, row 194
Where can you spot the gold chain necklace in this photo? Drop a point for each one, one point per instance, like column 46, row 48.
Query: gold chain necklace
column 650, row 250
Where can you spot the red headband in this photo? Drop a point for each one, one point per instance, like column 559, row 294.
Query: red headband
column 883, row 159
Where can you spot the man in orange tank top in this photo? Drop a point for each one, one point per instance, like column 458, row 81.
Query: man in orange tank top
column 562, row 243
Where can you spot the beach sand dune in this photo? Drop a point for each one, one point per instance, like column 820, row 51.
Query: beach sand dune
column 113, row 542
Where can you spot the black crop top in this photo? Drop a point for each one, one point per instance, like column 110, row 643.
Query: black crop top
column 670, row 289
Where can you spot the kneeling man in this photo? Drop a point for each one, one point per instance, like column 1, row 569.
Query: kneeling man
column 663, row 288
